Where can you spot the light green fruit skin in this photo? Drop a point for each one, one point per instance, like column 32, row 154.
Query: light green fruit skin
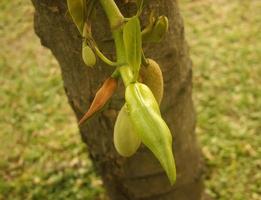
column 88, row 56
column 126, row 140
column 151, row 76
column 151, row 128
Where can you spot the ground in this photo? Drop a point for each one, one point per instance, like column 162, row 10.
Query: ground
column 42, row 156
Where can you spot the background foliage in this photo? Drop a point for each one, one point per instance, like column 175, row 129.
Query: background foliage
column 42, row 156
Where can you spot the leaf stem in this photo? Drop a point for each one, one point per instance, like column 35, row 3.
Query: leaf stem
column 113, row 13
column 103, row 57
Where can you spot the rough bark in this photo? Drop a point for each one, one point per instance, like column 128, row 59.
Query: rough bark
column 139, row 177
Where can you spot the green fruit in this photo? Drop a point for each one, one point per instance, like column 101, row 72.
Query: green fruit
column 151, row 76
column 88, row 55
column 126, row 140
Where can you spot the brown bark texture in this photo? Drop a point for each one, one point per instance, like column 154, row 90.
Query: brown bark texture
column 139, row 177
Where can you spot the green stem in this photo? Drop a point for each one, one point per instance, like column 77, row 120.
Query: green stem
column 95, row 48
column 115, row 74
column 143, row 59
column 113, row 13
column 103, row 57
column 126, row 74
column 119, row 45
column 115, row 18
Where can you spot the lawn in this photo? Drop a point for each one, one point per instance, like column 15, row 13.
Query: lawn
column 41, row 151
column 225, row 42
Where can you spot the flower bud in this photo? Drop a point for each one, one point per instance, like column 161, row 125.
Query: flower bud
column 88, row 55
column 155, row 31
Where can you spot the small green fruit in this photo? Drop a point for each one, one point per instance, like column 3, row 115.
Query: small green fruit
column 88, row 55
column 126, row 140
column 151, row 76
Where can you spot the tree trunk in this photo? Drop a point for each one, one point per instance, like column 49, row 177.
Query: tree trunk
column 140, row 176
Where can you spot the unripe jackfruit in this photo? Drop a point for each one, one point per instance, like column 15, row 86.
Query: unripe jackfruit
column 151, row 76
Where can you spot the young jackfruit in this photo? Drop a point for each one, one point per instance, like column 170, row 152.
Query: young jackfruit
column 151, row 76
column 126, row 140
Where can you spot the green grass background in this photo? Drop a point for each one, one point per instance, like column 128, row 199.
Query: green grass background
column 41, row 153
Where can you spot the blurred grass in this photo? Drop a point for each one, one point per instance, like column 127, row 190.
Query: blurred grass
column 225, row 42
column 42, row 156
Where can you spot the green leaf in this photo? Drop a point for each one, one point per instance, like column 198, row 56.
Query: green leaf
column 132, row 43
column 77, row 9
column 153, row 131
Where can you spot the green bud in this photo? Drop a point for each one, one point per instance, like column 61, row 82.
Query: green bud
column 155, row 31
column 154, row 133
column 88, row 55
column 126, row 140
